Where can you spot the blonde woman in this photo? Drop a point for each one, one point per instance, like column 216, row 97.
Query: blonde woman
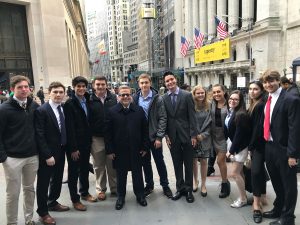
column 204, row 146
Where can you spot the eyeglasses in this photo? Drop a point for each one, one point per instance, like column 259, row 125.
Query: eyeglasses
column 234, row 99
column 124, row 95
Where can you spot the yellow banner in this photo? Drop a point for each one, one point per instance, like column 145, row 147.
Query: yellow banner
column 216, row 51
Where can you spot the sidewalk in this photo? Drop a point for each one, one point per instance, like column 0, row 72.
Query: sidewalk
column 160, row 210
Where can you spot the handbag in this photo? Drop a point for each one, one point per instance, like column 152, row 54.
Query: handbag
column 199, row 152
column 248, row 161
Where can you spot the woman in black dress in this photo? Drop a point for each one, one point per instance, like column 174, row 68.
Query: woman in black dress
column 257, row 148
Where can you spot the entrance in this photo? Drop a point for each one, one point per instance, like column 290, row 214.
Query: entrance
column 15, row 58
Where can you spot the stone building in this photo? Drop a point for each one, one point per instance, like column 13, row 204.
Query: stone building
column 44, row 40
column 263, row 34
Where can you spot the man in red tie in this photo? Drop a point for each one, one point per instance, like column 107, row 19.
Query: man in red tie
column 281, row 131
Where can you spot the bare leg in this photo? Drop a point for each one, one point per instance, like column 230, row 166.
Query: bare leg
column 195, row 173
column 221, row 160
column 203, row 163
column 237, row 168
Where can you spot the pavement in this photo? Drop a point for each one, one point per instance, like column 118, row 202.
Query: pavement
column 210, row 210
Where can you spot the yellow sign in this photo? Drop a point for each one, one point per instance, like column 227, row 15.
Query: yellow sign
column 148, row 13
column 216, row 51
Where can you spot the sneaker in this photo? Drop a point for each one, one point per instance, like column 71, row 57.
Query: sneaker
column 238, row 203
column 225, row 190
column 147, row 191
column 89, row 198
column 31, row 222
column 168, row 192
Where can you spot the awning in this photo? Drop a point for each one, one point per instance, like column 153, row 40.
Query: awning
column 295, row 64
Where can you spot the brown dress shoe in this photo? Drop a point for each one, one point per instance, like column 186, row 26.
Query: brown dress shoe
column 59, row 208
column 89, row 198
column 101, row 196
column 47, row 220
column 79, row 206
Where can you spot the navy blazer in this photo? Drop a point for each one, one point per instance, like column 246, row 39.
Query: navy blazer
column 238, row 131
column 48, row 134
column 285, row 125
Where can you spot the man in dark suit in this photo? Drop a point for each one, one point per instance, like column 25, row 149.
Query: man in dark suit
column 181, row 134
column 51, row 139
column 126, row 143
column 79, row 142
column 281, row 132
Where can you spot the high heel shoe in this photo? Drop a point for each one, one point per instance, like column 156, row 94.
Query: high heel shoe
column 203, row 194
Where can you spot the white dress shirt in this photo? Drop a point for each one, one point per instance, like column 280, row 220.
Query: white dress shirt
column 275, row 96
column 55, row 110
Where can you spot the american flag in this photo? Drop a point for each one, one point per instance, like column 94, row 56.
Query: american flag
column 184, row 46
column 198, row 39
column 221, row 28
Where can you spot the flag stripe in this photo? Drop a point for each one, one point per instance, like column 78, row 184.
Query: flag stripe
column 221, row 28
column 198, row 39
column 184, row 46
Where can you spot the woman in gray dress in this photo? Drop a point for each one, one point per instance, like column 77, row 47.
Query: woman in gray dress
column 203, row 149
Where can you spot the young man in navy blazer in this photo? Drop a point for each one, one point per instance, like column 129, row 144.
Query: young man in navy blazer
column 281, row 132
column 51, row 139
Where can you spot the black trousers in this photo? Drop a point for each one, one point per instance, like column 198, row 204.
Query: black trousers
column 49, row 178
column 78, row 169
column 160, row 166
column 137, row 181
column 183, row 154
column 284, row 180
column 258, row 172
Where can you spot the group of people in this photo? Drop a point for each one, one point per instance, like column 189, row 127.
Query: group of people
column 122, row 132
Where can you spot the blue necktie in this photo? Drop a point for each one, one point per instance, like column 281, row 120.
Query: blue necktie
column 63, row 135
column 173, row 100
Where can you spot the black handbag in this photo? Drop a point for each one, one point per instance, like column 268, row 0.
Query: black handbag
column 199, row 152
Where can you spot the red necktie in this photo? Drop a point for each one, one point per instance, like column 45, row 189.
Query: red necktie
column 267, row 119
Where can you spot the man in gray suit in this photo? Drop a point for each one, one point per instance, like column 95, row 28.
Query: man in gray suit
column 181, row 134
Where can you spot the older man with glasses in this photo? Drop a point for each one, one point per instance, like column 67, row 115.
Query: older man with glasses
column 126, row 144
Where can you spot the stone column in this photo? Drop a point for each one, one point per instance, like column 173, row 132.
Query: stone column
column 211, row 13
column 188, row 20
column 221, row 9
column 195, row 14
column 247, row 12
column 233, row 15
column 203, row 16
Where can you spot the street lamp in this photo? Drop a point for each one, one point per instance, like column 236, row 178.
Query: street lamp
column 148, row 13
column 250, row 60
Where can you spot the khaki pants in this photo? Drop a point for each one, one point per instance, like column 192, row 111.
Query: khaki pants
column 102, row 165
column 19, row 170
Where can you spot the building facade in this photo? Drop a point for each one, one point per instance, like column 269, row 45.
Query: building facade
column 263, row 34
column 118, row 22
column 44, row 40
column 97, row 35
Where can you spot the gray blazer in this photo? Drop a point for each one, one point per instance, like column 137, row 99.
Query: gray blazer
column 181, row 120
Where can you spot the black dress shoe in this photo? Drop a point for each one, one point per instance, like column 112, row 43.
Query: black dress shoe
column 283, row 222
column 167, row 192
column 120, row 203
column 257, row 216
column 272, row 214
column 190, row 197
column 142, row 201
column 177, row 195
